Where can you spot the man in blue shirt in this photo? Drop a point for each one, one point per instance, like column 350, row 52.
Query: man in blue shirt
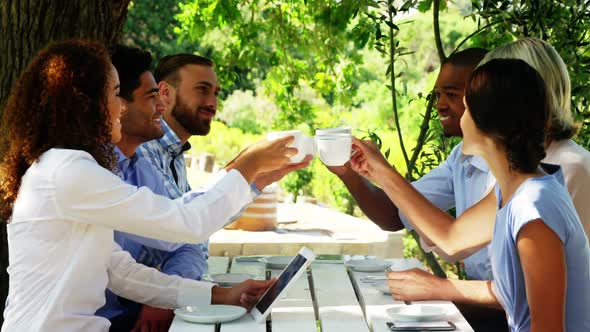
column 189, row 89
column 141, row 122
column 459, row 182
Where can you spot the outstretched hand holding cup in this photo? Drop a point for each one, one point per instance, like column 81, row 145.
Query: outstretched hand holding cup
column 304, row 144
column 264, row 156
column 367, row 160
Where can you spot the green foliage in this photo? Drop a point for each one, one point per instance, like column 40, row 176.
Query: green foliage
column 150, row 26
column 564, row 24
column 224, row 142
column 249, row 112
column 298, row 182
column 366, row 64
column 286, row 42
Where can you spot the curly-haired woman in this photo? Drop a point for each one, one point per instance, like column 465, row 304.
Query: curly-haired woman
column 63, row 203
column 539, row 253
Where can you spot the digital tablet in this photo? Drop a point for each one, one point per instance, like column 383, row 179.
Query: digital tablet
column 280, row 287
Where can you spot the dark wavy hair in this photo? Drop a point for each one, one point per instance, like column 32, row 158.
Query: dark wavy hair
column 60, row 100
column 131, row 63
column 469, row 57
column 507, row 101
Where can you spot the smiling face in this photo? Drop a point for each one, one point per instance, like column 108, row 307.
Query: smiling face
column 196, row 98
column 142, row 118
column 114, row 105
column 449, row 89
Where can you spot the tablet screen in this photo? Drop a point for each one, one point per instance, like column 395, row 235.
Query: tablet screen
column 271, row 294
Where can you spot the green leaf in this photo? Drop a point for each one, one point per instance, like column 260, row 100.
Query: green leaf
column 407, row 5
column 388, row 71
column 424, row 5
column 391, row 25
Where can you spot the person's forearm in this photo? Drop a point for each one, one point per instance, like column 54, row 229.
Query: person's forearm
column 478, row 292
column 219, row 295
column 449, row 235
column 373, row 201
column 426, row 217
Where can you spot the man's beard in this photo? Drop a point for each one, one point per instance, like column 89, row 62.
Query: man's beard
column 190, row 120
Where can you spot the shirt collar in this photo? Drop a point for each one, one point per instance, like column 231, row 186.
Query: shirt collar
column 123, row 163
column 479, row 163
column 473, row 161
column 170, row 141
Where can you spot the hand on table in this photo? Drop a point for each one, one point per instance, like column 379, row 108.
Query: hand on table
column 245, row 294
column 367, row 160
column 264, row 179
column 414, row 285
column 153, row 319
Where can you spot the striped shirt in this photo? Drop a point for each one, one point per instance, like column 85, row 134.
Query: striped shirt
column 163, row 153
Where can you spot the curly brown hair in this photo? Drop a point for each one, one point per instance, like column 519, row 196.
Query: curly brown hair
column 60, row 101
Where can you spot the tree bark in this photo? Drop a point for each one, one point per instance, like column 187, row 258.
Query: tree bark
column 26, row 26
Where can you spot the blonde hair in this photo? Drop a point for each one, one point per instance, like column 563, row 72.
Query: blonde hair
column 545, row 59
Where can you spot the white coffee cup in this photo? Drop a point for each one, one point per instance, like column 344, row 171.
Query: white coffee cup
column 303, row 143
column 334, row 149
column 328, row 131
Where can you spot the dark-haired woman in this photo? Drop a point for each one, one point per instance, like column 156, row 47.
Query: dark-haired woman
column 63, row 203
column 540, row 255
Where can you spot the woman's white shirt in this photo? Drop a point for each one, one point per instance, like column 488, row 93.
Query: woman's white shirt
column 61, row 249
column 575, row 163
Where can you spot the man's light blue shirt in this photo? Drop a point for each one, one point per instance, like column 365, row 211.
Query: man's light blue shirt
column 459, row 182
column 185, row 260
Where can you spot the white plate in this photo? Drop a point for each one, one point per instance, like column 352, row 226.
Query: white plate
column 381, row 285
column 371, row 279
column 277, row 262
column 228, row 279
column 210, row 314
column 417, row 313
column 367, row 265
column 399, row 265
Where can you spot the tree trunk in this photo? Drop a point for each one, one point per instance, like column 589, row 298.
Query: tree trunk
column 26, row 26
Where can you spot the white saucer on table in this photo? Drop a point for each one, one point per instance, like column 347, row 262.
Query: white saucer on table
column 417, row 313
column 367, row 265
column 210, row 314
column 228, row 279
column 277, row 262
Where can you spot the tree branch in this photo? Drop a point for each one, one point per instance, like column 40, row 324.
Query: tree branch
column 473, row 34
column 429, row 258
column 423, row 131
column 393, row 92
column 437, row 39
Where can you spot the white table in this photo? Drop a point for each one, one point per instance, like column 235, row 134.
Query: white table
column 321, row 229
column 336, row 300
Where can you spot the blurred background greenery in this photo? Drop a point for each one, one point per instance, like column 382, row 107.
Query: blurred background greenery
column 369, row 65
